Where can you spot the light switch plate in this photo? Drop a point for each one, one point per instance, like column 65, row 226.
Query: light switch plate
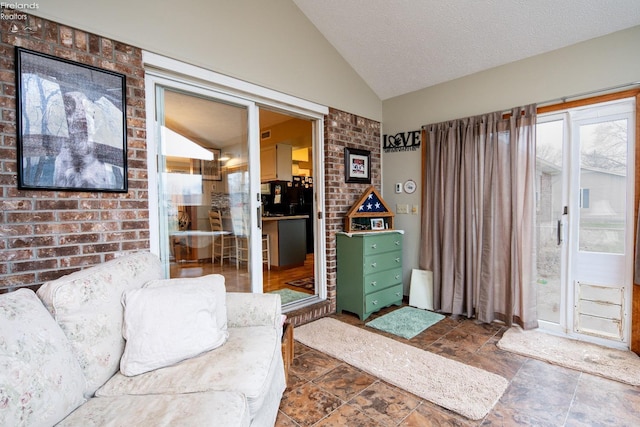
column 398, row 187
column 414, row 210
column 402, row 209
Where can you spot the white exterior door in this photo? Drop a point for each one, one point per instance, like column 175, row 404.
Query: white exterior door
column 585, row 221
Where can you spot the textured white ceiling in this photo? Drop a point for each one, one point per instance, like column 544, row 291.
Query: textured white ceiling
column 399, row 46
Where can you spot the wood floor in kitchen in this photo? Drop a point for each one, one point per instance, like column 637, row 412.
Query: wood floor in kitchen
column 237, row 278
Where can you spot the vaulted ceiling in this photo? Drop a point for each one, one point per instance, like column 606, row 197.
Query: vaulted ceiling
column 400, row 46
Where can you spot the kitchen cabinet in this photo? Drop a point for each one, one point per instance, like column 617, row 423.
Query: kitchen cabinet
column 369, row 271
column 276, row 163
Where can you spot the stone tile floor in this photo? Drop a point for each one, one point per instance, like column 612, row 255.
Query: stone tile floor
column 324, row 391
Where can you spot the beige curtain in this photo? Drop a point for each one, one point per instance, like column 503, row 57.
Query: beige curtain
column 478, row 216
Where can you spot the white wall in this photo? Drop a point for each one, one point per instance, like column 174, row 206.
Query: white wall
column 593, row 65
column 268, row 43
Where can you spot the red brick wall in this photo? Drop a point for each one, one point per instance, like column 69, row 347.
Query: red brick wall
column 341, row 130
column 46, row 234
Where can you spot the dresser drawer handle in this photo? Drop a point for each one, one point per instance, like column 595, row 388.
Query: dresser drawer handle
column 374, row 246
column 397, row 242
column 375, row 302
column 374, row 264
column 374, row 283
column 397, row 294
column 397, row 276
column 398, row 259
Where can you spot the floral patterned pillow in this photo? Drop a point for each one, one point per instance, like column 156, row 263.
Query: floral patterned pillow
column 86, row 304
column 41, row 381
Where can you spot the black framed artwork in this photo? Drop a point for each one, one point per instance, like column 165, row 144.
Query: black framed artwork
column 357, row 166
column 71, row 118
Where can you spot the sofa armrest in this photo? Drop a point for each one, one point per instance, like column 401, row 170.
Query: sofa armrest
column 248, row 309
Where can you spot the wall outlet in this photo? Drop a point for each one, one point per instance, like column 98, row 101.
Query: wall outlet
column 402, row 209
column 414, row 210
column 398, row 187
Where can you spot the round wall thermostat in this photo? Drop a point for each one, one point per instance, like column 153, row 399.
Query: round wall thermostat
column 410, row 186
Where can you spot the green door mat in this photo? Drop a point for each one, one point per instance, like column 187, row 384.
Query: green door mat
column 287, row 295
column 406, row 322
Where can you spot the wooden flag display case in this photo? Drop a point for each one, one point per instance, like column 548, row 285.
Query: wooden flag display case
column 369, row 213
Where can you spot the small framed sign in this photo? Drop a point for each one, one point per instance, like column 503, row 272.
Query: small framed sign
column 377, row 224
column 357, row 166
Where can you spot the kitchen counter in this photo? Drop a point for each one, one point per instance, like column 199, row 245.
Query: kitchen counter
column 287, row 239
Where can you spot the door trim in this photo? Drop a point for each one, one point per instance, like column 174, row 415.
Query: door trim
column 180, row 71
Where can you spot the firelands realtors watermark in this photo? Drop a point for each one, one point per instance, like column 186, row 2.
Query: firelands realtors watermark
column 16, row 11
column 17, row 14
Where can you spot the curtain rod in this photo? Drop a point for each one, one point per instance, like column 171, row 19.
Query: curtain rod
column 585, row 94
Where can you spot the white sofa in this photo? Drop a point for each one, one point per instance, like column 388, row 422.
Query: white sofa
column 61, row 351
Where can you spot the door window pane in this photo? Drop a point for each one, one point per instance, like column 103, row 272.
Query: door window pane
column 603, row 172
column 204, row 180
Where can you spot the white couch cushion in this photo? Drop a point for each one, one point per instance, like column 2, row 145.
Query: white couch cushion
column 245, row 309
column 40, row 379
column 214, row 281
column 249, row 362
column 197, row 409
column 86, row 304
column 166, row 324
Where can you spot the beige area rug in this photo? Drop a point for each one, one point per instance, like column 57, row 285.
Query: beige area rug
column 618, row 365
column 461, row 388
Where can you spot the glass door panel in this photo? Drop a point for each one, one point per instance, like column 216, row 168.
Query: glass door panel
column 287, row 194
column 203, row 161
column 549, row 217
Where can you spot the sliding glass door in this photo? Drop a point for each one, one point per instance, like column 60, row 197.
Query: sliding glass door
column 208, row 220
column 208, row 134
column 585, row 220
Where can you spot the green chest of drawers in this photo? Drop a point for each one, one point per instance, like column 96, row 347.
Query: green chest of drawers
column 369, row 271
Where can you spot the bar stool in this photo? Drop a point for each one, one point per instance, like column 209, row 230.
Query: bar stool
column 266, row 251
column 222, row 244
column 241, row 235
